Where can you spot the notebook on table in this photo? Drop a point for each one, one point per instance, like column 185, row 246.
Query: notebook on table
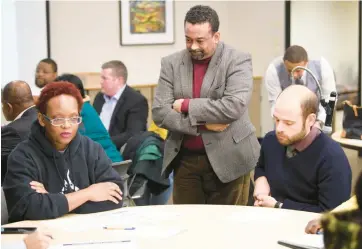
column 306, row 241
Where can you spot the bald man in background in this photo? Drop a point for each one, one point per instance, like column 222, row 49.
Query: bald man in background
column 18, row 107
column 299, row 167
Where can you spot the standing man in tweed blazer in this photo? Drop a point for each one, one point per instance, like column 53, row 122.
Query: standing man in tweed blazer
column 202, row 98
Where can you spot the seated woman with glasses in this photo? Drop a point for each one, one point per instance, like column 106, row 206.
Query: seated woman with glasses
column 57, row 170
column 92, row 125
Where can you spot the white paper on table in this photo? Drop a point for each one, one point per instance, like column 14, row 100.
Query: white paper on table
column 139, row 216
column 72, row 224
column 306, row 241
column 147, row 223
column 123, row 245
column 147, row 232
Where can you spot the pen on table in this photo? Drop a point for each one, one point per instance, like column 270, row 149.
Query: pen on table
column 119, row 228
column 50, row 236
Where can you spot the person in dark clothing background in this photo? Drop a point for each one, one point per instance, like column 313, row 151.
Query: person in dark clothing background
column 18, row 107
column 57, row 170
column 122, row 109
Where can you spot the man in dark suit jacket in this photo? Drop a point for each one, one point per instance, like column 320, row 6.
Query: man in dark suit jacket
column 122, row 110
column 18, row 107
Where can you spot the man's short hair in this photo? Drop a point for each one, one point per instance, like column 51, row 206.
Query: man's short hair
column 52, row 63
column 118, row 69
column 200, row 14
column 295, row 54
column 13, row 94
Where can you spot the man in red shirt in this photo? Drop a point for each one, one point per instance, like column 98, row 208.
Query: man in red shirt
column 202, row 98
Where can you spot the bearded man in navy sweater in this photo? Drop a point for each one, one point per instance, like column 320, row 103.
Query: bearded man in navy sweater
column 300, row 167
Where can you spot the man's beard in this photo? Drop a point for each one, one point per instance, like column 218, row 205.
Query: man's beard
column 40, row 84
column 197, row 54
column 285, row 140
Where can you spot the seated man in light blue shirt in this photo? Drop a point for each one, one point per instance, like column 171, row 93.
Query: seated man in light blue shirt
column 122, row 110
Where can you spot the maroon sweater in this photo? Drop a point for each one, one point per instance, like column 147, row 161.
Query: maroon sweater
column 200, row 68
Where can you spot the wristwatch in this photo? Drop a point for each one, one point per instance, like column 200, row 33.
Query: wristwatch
column 278, row 204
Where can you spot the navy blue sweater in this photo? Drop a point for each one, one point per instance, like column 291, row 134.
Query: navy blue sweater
column 317, row 179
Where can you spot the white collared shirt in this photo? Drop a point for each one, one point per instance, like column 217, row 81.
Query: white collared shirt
column 108, row 107
column 35, row 90
column 328, row 85
column 21, row 113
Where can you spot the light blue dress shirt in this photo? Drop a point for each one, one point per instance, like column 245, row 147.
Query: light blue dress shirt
column 108, row 107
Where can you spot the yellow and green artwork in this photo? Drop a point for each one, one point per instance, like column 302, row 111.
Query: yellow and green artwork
column 147, row 17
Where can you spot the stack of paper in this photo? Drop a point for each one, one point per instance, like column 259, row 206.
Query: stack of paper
column 73, row 224
column 146, row 232
column 307, row 241
column 132, row 217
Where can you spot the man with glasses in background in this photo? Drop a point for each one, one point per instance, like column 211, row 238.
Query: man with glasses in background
column 57, row 170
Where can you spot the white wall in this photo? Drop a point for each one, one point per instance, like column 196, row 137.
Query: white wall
column 258, row 27
column 23, row 40
column 9, row 53
column 85, row 34
column 31, row 37
column 329, row 29
column 88, row 34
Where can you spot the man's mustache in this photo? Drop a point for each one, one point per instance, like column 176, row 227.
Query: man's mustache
column 195, row 51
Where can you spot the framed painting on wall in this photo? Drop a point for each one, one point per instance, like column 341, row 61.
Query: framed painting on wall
column 146, row 22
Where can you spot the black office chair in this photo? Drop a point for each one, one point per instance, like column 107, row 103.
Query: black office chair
column 122, row 168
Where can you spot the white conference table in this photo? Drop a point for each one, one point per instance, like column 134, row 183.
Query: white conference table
column 196, row 226
column 354, row 144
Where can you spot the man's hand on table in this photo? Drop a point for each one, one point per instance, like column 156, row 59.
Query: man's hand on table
column 264, row 201
column 313, row 226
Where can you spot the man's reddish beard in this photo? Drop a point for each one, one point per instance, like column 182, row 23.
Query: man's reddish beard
column 285, row 140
